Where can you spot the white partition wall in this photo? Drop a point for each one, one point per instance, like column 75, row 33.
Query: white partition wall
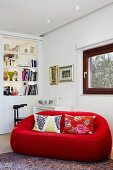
column 1, row 85
column 7, row 101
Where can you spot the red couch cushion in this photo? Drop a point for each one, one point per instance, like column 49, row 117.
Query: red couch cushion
column 45, row 123
column 79, row 124
column 54, row 113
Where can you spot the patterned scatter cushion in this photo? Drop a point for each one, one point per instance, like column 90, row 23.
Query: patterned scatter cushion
column 47, row 123
column 79, row 124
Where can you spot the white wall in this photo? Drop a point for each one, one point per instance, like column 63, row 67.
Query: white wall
column 60, row 49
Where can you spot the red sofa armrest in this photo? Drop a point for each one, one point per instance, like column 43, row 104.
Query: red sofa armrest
column 26, row 123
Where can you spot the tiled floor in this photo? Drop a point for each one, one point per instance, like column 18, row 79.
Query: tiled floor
column 5, row 144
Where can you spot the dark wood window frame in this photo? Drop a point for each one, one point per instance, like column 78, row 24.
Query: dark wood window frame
column 86, row 55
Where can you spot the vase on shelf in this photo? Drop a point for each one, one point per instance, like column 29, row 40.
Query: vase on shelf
column 10, row 73
column 5, row 76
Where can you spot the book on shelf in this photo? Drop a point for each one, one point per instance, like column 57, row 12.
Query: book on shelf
column 33, row 63
column 6, row 90
column 29, row 89
column 34, row 89
column 34, row 76
column 29, row 75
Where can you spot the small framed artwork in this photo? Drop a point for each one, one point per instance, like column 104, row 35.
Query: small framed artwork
column 66, row 73
column 53, row 75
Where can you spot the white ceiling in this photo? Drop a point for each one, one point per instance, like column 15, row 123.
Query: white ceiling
column 30, row 16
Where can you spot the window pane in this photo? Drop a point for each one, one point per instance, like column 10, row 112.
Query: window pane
column 100, row 71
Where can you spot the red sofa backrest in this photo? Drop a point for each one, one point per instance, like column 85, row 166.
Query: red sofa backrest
column 99, row 119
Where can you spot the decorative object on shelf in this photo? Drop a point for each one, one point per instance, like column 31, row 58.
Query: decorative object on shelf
column 14, row 92
column 15, row 49
column 6, row 90
column 66, row 73
column 11, row 74
column 16, row 57
column 23, row 89
column 10, row 62
column 13, row 62
column 31, row 50
column 15, row 76
column 26, row 50
column 45, row 101
column 6, row 47
column 53, row 75
column 5, row 75
column 6, row 58
column 10, row 91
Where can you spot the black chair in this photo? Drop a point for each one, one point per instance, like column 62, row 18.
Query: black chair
column 16, row 113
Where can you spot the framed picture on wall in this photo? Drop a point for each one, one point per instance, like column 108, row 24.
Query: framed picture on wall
column 53, row 75
column 66, row 73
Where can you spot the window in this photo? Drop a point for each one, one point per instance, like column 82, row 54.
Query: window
column 98, row 70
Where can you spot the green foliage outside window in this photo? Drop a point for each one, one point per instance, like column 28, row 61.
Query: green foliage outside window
column 101, row 71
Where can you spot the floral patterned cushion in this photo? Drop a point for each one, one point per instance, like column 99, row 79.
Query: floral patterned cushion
column 79, row 124
column 47, row 123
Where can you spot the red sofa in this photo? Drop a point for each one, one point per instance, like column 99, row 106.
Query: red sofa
column 92, row 147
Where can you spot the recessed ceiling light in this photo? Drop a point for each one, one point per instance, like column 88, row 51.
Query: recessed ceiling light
column 77, row 7
column 48, row 21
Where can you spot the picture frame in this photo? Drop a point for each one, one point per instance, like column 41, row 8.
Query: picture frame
column 53, row 75
column 66, row 73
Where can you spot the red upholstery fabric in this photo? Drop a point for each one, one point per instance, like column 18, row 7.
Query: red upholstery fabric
column 93, row 147
column 79, row 124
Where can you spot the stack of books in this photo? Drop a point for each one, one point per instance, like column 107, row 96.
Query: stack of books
column 29, row 75
column 33, row 63
column 29, row 90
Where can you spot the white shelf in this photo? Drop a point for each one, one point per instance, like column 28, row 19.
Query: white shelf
column 27, row 67
column 29, row 82
column 18, row 53
column 8, row 81
column 20, row 95
column 20, row 67
column 10, row 67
